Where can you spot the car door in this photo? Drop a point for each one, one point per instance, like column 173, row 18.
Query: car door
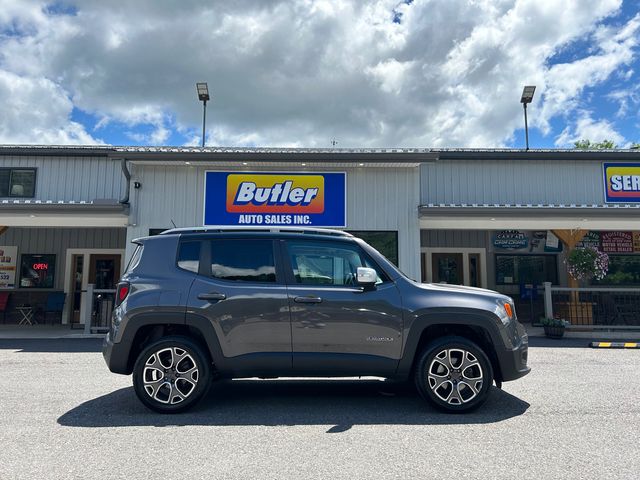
column 243, row 295
column 338, row 327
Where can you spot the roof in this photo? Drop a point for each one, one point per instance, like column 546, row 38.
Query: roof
column 368, row 155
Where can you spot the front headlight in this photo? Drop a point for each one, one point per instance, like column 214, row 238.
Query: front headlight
column 505, row 311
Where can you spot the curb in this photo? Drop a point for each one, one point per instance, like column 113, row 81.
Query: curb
column 614, row 345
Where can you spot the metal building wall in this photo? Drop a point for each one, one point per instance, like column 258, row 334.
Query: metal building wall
column 512, row 181
column 58, row 240
column 377, row 199
column 72, row 178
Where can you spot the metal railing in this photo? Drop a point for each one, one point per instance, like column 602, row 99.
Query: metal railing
column 96, row 312
column 594, row 307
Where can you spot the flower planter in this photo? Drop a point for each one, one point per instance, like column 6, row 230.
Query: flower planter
column 554, row 332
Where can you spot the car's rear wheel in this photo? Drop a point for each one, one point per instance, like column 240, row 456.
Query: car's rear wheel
column 171, row 375
column 454, row 374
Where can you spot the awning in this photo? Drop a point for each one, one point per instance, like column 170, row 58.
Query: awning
column 529, row 217
column 49, row 213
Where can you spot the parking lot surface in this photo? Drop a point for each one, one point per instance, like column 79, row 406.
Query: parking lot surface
column 64, row 415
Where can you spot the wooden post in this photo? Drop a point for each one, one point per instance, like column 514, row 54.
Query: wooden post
column 571, row 238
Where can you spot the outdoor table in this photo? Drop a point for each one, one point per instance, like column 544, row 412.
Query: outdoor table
column 27, row 315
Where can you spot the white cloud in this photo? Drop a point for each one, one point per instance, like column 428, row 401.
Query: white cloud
column 37, row 111
column 586, row 128
column 301, row 73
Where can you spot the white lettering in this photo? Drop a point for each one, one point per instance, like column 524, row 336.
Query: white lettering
column 616, row 183
column 245, row 192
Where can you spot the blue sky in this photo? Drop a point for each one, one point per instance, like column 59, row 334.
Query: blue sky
column 384, row 73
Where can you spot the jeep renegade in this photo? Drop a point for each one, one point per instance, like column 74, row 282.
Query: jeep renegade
column 203, row 303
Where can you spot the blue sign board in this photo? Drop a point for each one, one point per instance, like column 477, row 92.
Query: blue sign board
column 281, row 199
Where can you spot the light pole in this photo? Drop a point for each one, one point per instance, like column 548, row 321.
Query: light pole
column 203, row 96
column 527, row 97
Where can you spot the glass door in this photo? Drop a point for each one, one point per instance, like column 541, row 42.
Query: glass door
column 447, row 268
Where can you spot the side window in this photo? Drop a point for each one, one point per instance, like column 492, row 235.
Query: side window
column 189, row 256
column 328, row 263
column 135, row 258
column 246, row 260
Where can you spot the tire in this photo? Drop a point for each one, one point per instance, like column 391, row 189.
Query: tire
column 445, row 382
column 171, row 375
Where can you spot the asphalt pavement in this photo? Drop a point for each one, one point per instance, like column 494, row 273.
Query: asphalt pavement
column 63, row 415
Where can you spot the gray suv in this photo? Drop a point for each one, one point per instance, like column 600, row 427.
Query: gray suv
column 198, row 304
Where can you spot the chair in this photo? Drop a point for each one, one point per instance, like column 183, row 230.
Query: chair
column 55, row 304
column 4, row 301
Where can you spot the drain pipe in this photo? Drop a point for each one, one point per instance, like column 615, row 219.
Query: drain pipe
column 127, row 175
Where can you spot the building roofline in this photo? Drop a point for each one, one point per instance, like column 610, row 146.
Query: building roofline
column 373, row 155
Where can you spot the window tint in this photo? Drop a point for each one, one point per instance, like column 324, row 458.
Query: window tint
column 16, row 182
column 327, row 263
column 189, row 256
column 247, row 260
column 385, row 242
column 522, row 269
column 135, row 258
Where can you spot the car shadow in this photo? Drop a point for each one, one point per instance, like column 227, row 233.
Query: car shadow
column 340, row 403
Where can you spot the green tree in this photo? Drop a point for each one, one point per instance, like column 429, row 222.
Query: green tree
column 603, row 145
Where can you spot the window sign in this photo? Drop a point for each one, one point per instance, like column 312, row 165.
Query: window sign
column 591, row 239
column 616, row 242
column 8, row 261
column 510, row 240
column 621, row 182
column 37, row 271
column 289, row 199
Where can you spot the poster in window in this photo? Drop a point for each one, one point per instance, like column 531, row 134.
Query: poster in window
column 591, row 239
column 37, row 270
column 8, row 263
column 616, row 242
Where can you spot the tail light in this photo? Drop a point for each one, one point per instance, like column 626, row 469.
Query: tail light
column 121, row 292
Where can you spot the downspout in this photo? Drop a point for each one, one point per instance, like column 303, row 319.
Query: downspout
column 127, row 175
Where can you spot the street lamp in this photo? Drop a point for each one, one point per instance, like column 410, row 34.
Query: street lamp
column 527, row 97
column 203, row 96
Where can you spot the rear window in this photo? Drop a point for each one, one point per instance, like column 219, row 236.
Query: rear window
column 244, row 260
column 189, row 256
column 135, row 258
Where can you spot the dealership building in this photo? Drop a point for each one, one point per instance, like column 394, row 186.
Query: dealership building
column 500, row 219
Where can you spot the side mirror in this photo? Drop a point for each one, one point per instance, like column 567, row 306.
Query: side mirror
column 367, row 277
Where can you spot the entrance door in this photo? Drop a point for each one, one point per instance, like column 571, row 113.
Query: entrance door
column 447, row 268
column 457, row 266
column 99, row 267
column 104, row 271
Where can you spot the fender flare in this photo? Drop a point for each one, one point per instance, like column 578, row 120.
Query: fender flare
column 481, row 320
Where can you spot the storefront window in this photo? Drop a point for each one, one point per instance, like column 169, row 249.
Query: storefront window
column 37, row 271
column 523, row 269
column 386, row 242
column 623, row 270
column 17, row 182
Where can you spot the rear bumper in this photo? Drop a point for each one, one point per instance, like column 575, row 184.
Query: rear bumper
column 115, row 355
column 513, row 362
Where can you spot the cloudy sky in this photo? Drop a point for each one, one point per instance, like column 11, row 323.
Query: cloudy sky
column 301, row 73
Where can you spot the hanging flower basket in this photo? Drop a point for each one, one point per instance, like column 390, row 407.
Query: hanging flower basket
column 587, row 263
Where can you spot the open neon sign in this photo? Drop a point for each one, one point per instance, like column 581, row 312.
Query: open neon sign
column 40, row 266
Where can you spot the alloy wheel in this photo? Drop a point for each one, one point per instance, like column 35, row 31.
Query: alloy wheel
column 455, row 376
column 170, row 375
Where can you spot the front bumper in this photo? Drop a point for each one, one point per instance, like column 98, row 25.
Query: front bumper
column 513, row 362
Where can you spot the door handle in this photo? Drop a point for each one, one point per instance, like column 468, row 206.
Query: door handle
column 212, row 297
column 307, row 299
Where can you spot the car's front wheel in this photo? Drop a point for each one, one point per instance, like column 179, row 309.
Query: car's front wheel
column 454, row 374
column 171, row 375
